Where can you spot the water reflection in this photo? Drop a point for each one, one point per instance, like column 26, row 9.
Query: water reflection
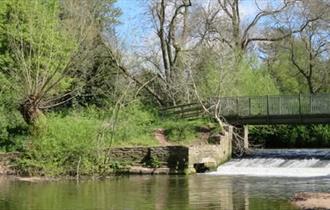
column 231, row 193
column 157, row 192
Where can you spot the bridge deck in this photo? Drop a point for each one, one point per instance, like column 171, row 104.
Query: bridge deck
column 297, row 109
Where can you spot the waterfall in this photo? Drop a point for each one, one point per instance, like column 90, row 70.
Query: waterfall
column 279, row 163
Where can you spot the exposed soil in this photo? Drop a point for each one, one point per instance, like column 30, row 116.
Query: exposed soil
column 315, row 201
column 161, row 138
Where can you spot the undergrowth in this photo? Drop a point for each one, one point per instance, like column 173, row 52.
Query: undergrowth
column 78, row 142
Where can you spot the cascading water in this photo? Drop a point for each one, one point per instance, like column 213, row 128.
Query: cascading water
column 280, row 163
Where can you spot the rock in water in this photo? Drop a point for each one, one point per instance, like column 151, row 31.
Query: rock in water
column 312, row 200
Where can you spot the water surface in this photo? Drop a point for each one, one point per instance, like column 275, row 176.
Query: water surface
column 158, row 192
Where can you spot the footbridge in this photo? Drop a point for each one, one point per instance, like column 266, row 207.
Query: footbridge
column 259, row 110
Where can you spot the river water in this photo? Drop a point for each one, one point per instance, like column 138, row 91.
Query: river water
column 225, row 191
column 280, row 163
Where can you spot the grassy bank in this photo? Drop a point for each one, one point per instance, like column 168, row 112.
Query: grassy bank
column 76, row 141
column 67, row 143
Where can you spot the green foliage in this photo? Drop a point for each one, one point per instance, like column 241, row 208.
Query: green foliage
column 182, row 131
column 285, row 76
column 208, row 76
column 78, row 142
column 67, row 143
column 5, row 59
column 153, row 162
column 251, row 79
column 39, row 44
column 134, row 126
column 291, row 136
column 288, row 78
column 254, row 81
column 12, row 125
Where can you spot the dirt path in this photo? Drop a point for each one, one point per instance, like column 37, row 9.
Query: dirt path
column 161, row 138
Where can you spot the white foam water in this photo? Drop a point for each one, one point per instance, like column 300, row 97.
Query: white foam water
column 263, row 164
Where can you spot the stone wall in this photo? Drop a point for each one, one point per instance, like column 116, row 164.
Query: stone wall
column 173, row 157
column 177, row 159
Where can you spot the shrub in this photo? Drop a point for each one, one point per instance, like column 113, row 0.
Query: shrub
column 66, row 144
column 12, row 125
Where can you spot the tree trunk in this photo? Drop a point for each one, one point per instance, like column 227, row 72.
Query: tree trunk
column 30, row 110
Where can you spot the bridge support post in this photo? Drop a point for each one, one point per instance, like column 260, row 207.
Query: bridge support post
column 241, row 140
column 246, row 137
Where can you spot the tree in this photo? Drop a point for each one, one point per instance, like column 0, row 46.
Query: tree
column 100, row 70
column 308, row 55
column 46, row 43
column 310, row 49
column 170, row 24
column 240, row 34
column 42, row 51
column 95, row 69
column 299, row 62
column 5, row 60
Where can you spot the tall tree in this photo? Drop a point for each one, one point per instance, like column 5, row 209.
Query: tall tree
column 170, row 23
column 46, row 42
column 240, row 34
column 97, row 73
column 308, row 54
column 299, row 62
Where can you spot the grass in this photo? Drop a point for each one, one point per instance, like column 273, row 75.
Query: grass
column 77, row 142
column 182, row 131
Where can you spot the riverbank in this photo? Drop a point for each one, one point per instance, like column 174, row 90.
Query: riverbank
column 82, row 143
column 169, row 159
column 6, row 160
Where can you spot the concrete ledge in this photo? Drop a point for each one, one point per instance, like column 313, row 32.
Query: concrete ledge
column 143, row 170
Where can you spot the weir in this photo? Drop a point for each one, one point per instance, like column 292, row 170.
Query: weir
column 279, row 163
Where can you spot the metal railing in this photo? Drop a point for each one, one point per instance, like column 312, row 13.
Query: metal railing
column 256, row 106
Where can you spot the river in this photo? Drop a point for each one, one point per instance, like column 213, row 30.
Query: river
column 201, row 191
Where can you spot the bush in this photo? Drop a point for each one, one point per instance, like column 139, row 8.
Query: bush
column 66, row 144
column 12, row 125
